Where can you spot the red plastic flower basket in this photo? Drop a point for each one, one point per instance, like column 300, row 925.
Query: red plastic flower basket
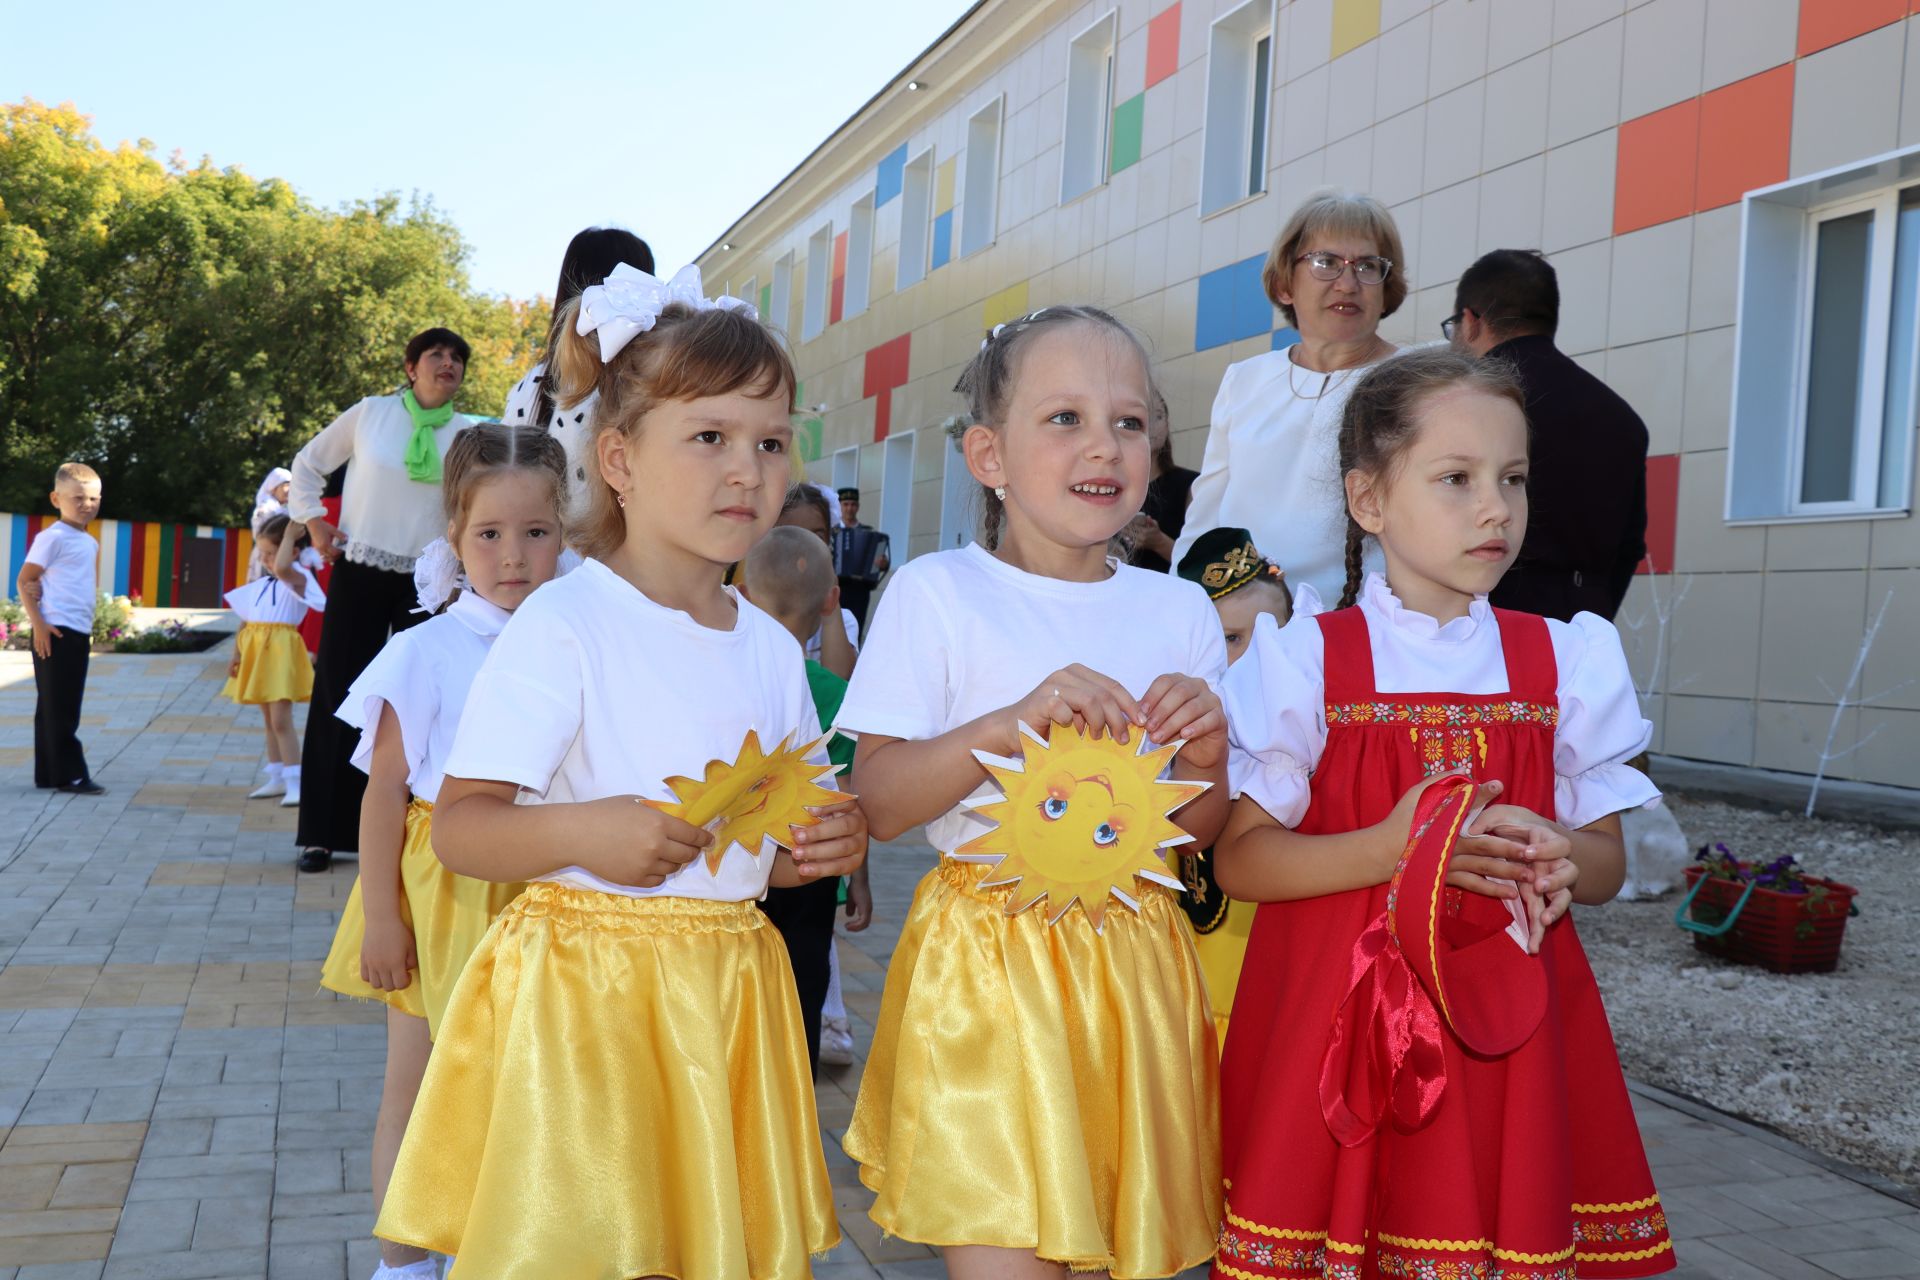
column 1748, row 924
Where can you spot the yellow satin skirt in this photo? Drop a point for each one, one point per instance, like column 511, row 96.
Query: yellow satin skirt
column 1222, row 951
column 448, row 914
column 620, row 1089
column 274, row 666
column 1043, row 1087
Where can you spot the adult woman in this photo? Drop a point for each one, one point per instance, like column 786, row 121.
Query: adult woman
column 1335, row 271
column 590, row 256
column 1164, row 514
column 389, row 510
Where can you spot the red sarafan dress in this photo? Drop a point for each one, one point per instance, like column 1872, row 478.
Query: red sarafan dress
column 1531, row 1166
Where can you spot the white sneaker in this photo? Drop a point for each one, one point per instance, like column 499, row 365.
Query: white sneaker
column 291, row 800
column 424, row 1270
column 836, row 1042
column 268, row 789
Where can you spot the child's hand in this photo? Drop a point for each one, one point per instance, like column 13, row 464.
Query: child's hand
column 43, row 637
column 233, row 667
column 835, row 846
column 859, row 901
column 387, row 956
column 1077, row 696
column 1180, row 707
column 628, row 841
column 1548, row 897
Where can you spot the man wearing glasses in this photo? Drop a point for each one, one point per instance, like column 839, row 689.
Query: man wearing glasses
column 1587, row 486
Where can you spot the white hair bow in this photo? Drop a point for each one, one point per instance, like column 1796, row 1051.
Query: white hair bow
column 630, row 303
column 436, row 576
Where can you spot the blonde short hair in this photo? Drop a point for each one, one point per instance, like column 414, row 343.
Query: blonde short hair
column 1341, row 213
column 74, row 473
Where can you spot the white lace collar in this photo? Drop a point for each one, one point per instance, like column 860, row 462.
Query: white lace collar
column 1380, row 604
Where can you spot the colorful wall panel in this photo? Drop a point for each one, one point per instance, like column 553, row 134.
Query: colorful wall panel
column 138, row 558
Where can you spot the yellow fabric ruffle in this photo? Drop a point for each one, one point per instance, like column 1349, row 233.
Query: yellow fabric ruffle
column 448, row 914
column 274, row 666
column 1221, row 953
column 620, row 1089
column 1044, row 1087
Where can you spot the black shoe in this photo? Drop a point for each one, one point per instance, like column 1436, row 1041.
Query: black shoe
column 314, row 859
column 84, row 787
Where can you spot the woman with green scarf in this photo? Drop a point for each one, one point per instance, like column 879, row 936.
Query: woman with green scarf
column 390, row 510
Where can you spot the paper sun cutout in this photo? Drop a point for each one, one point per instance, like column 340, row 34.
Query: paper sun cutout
column 1078, row 820
column 760, row 795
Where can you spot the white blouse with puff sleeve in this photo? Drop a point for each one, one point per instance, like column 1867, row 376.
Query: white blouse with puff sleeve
column 1276, row 702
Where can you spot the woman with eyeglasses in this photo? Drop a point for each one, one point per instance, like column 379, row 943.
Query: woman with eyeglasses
column 1335, row 271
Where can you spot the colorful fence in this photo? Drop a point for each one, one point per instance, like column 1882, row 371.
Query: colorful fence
column 141, row 558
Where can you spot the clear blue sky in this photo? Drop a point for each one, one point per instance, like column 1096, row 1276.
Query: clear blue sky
column 524, row 122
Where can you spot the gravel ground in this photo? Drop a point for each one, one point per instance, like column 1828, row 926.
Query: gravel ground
column 1833, row 1059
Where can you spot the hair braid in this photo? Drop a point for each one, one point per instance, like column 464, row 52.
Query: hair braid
column 1355, row 537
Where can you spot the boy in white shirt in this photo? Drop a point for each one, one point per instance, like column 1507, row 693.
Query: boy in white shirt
column 57, row 585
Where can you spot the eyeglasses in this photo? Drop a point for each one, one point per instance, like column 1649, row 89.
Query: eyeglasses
column 1331, row 266
column 1451, row 323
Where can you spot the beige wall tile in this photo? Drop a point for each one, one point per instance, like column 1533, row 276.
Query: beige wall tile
column 1910, row 100
column 1717, row 729
column 1399, row 156
column 1586, row 275
column 1709, row 390
column 1891, row 755
column 1306, row 35
column 1703, row 541
column 1579, row 193
column 1838, row 544
column 1641, row 636
column 1393, row 13
column 1458, row 46
column 1516, row 113
column 1510, row 205
column 1651, row 376
column 1516, row 29
column 1304, row 114
column 1812, row 623
column 1449, row 224
column 1661, row 55
column 1894, row 543
column 1350, row 97
column 1890, row 665
column 1716, row 268
column 1841, row 100
column 1713, row 635
column 1584, row 96
column 1745, row 37
column 1791, row 736
column 1348, row 163
column 1570, row 17
column 1401, row 79
column 1453, row 136
column 1650, row 275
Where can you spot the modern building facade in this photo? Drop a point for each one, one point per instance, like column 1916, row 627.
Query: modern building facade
column 1729, row 189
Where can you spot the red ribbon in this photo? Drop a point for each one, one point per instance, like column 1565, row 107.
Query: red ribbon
column 1385, row 1051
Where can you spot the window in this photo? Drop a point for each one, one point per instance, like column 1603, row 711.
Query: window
column 1826, row 347
column 859, row 257
column 813, row 314
column 748, row 292
column 1233, row 160
column 1089, row 116
column 896, row 493
column 916, row 216
column 780, row 295
column 980, row 198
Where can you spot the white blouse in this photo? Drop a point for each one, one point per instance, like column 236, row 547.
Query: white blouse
column 387, row 516
column 1272, row 467
column 269, row 600
column 961, row 633
column 1276, row 701
column 573, row 427
column 847, row 620
column 593, row 690
column 424, row 673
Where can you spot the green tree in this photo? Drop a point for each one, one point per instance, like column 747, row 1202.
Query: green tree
column 184, row 329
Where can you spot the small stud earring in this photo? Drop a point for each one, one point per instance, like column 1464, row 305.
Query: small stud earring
column 620, row 498
column 1000, row 492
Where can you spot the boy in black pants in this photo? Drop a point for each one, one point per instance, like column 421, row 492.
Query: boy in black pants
column 58, row 584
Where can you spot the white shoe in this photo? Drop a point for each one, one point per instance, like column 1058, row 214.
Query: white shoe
column 424, row 1270
column 268, row 789
column 836, row 1042
column 291, row 800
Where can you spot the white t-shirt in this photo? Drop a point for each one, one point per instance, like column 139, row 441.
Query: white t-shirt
column 69, row 560
column 572, row 427
column 387, row 515
column 593, row 690
column 961, row 633
column 1276, row 701
column 269, row 600
column 1272, row 467
column 424, row 673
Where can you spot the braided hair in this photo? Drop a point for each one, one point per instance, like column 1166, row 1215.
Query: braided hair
column 1382, row 417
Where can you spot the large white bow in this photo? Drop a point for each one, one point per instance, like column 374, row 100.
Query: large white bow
column 630, row 302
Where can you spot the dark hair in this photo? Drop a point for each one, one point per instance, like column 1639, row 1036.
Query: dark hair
column 802, row 494
column 590, row 258
column 1513, row 291
column 1157, row 408
column 987, row 381
column 490, row 448
column 686, row 355
column 274, row 529
column 1382, row 416
column 427, row 339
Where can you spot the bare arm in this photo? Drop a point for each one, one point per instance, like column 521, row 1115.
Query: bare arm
column 479, row 831
column 388, row 954
column 29, row 587
column 836, row 649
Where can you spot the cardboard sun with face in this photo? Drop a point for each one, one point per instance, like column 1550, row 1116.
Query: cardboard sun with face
column 759, row 795
column 1078, row 820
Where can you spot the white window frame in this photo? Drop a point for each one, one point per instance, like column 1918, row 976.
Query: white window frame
column 750, row 292
column 1086, row 131
column 979, row 213
column 957, row 490
column 859, row 276
column 846, row 469
column 780, row 300
column 819, row 289
column 896, row 493
column 916, row 221
column 1227, row 147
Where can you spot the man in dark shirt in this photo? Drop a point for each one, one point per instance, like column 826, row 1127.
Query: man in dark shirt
column 1587, row 492
column 861, row 557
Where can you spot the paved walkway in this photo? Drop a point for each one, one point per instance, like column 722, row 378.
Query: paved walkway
column 179, row 1099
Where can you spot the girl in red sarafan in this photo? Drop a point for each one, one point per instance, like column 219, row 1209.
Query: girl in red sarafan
column 1419, row 1081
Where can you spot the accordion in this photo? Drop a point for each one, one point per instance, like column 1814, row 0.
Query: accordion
column 856, row 549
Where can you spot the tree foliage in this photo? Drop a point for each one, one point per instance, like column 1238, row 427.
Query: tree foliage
column 185, row 329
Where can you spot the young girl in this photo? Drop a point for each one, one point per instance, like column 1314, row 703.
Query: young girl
column 1038, row 1095
column 410, row 924
column 270, row 667
column 620, row 1086
column 1525, row 1163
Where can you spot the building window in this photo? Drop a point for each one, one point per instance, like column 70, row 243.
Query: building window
column 780, row 294
column 1826, row 347
column 748, row 292
column 859, row 256
column 916, row 218
column 813, row 315
column 1233, row 161
column 980, row 198
column 1089, row 115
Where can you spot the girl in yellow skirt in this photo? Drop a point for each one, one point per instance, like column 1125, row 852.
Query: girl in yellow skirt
column 410, row 923
column 620, row 1086
column 270, row 667
column 1042, row 1094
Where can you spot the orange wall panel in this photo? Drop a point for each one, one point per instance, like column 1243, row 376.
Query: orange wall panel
column 1825, row 23
column 1654, row 167
column 1746, row 135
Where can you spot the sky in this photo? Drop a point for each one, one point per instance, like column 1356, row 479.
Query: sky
column 523, row 122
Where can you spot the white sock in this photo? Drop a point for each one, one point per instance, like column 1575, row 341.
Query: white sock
column 274, row 768
column 290, row 772
column 426, row 1269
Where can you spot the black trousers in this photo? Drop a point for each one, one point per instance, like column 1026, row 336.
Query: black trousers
column 854, row 595
column 61, row 680
column 364, row 607
column 804, row 917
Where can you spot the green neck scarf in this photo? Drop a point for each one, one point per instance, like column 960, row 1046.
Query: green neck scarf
column 423, row 455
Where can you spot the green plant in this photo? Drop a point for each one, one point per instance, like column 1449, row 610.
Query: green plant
column 1782, row 875
column 112, row 619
